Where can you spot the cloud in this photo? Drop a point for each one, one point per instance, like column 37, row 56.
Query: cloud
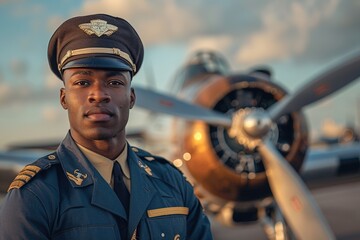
column 214, row 43
column 54, row 22
column 155, row 21
column 246, row 32
column 18, row 67
column 26, row 10
column 337, row 36
column 286, row 28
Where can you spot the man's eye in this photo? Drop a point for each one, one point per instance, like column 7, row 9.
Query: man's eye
column 82, row 83
column 115, row 83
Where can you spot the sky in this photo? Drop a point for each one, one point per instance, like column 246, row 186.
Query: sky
column 296, row 39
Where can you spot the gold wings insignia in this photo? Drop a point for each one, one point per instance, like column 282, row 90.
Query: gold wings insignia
column 98, row 27
column 111, row 29
column 86, row 27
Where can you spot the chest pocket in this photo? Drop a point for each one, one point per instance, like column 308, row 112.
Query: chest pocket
column 85, row 222
column 167, row 223
column 88, row 233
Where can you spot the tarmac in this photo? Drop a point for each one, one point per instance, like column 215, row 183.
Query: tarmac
column 340, row 205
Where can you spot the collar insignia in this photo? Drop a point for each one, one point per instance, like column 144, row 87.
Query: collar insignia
column 145, row 167
column 98, row 27
column 78, row 178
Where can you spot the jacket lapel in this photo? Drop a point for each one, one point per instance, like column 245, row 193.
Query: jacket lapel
column 104, row 197
column 80, row 173
column 142, row 190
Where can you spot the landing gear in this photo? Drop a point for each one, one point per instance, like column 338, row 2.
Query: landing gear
column 274, row 224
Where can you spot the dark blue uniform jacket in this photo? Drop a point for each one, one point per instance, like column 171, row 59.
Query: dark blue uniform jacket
column 64, row 197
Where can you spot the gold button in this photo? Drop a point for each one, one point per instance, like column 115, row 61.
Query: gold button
column 150, row 158
column 51, row 157
column 135, row 149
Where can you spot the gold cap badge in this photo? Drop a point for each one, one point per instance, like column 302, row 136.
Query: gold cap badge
column 98, row 27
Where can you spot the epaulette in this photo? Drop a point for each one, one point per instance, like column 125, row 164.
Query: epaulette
column 148, row 156
column 29, row 171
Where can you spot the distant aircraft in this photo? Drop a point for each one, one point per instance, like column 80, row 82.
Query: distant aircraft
column 242, row 140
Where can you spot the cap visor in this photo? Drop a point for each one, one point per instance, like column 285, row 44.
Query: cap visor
column 98, row 62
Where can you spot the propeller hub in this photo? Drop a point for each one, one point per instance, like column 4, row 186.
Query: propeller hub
column 251, row 125
column 257, row 123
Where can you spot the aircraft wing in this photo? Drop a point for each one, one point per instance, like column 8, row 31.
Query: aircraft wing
column 331, row 165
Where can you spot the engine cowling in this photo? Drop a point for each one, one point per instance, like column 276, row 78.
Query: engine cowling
column 222, row 167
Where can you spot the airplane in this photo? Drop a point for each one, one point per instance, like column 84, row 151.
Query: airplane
column 242, row 140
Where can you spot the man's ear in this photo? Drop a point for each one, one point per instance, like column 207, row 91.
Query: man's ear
column 132, row 98
column 62, row 98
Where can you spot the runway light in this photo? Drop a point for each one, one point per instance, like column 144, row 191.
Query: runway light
column 178, row 163
column 251, row 175
column 279, row 229
column 197, row 136
column 187, row 156
column 285, row 147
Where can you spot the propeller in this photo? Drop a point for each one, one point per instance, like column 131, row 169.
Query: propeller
column 251, row 128
column 158, row 102
column 293, row 197
column 320, row 87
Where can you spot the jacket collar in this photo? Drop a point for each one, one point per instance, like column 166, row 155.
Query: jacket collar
column 80, row 173
column 75, row 165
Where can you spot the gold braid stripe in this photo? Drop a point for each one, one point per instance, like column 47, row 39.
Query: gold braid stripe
column 168, row 211
column 32, row 168
column 27, row 172
column 82, row 51
column 24, row 176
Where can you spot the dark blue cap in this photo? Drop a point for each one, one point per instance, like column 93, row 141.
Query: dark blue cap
column 95, row 41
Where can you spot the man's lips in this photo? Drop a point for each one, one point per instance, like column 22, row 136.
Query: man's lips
column 98, row 114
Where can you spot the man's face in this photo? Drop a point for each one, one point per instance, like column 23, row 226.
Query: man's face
column 98, row 103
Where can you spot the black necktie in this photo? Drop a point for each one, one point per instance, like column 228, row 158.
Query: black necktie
column 124, row 196
column 120, row 188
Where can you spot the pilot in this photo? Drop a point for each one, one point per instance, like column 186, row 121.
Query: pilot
column 97, row 186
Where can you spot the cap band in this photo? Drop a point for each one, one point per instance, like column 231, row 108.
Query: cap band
column 97, row 62
column 97, row 50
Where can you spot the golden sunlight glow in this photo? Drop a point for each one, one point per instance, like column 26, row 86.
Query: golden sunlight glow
column 187, row 156
column 178, row 163
column 197, row 136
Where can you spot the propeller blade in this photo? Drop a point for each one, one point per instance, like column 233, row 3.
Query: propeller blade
column 161, row 103
column 293, row 197
column 320, row 87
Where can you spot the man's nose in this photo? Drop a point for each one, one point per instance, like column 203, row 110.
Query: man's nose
column 99, row 94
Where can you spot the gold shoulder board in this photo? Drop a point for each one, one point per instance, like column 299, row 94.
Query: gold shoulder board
column 24, row 176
